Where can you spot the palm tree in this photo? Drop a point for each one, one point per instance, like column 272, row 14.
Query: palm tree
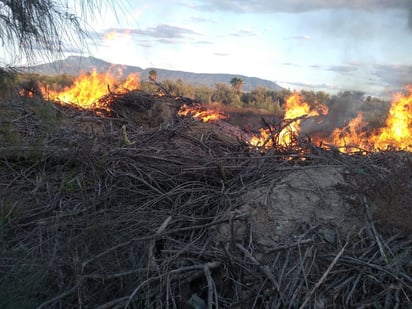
column 237, row 84
column 153, row 75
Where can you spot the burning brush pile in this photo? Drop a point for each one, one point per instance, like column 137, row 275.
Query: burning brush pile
column 141, row 200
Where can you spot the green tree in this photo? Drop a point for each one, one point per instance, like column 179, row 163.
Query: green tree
column 203, row 94
column 175, row 87
column 224, row 94
column 315, row 99
column 237, row 84
column 262, row 98
column 153, row 75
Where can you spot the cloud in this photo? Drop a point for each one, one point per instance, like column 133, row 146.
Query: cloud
column 165, row 34
column 290, row 64
column 299, row 37
column 244, row 33
column 202, row 42
column 410, row 16
column 161, row 31
column 144, row 43
column 264, row 6
column 322, row 86
column 343, row 69
column 101, row 39
column 393, row 75
column 165, row 31
column 200, row 19
column 316, row 66
column 376, row 79
column 166, row 41
column 56, row 46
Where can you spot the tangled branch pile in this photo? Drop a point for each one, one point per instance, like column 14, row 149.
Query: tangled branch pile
column 167, row 219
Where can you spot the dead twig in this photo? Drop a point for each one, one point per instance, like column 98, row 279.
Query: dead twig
column 263, row 268
column 322, row 279
column 375, row 233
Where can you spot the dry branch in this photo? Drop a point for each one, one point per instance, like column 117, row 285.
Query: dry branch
column 112, row 225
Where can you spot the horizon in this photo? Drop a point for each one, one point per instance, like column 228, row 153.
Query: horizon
column 385, row 96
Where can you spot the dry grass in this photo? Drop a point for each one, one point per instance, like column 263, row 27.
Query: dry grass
column 88, row 222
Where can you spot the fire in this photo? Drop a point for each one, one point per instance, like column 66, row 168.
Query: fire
column 201, row 113
column 351, row 136
column 26, row 93
column 88, row 88
column 295, row 111
column 397, row 132
column 395, row 135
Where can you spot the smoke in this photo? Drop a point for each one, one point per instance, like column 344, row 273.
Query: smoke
column 342, row 108
column 410, row 16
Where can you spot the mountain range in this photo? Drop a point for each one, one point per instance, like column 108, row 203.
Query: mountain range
column 74, row 65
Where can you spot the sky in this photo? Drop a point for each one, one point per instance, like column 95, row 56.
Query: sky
column 329, row 45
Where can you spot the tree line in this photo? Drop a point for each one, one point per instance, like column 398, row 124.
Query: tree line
column 347, row 103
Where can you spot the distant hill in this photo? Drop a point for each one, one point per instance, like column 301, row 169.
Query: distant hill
column 74, row 65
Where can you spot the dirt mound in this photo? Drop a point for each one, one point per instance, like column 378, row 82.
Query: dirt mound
column 299, row 197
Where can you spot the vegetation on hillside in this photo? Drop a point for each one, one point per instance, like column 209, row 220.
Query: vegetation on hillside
column 346, row 104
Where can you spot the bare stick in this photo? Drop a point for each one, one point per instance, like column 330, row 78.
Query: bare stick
column 211, row 288
column 161, row 87
column 149, row 237
column 288, row 246
column 325, row 274
column 112, row 303
column 64, row 294
column 375, row 233
column 264, row 269
column 290, row 121
column 182, row 269
column 151, row 259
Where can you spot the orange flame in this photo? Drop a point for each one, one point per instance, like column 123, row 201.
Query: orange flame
column 201, row 113
column 296, row 110
column 263, row 139
column 351, row 136
column 88, row 88
column 397, row 133
column 26, row 93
